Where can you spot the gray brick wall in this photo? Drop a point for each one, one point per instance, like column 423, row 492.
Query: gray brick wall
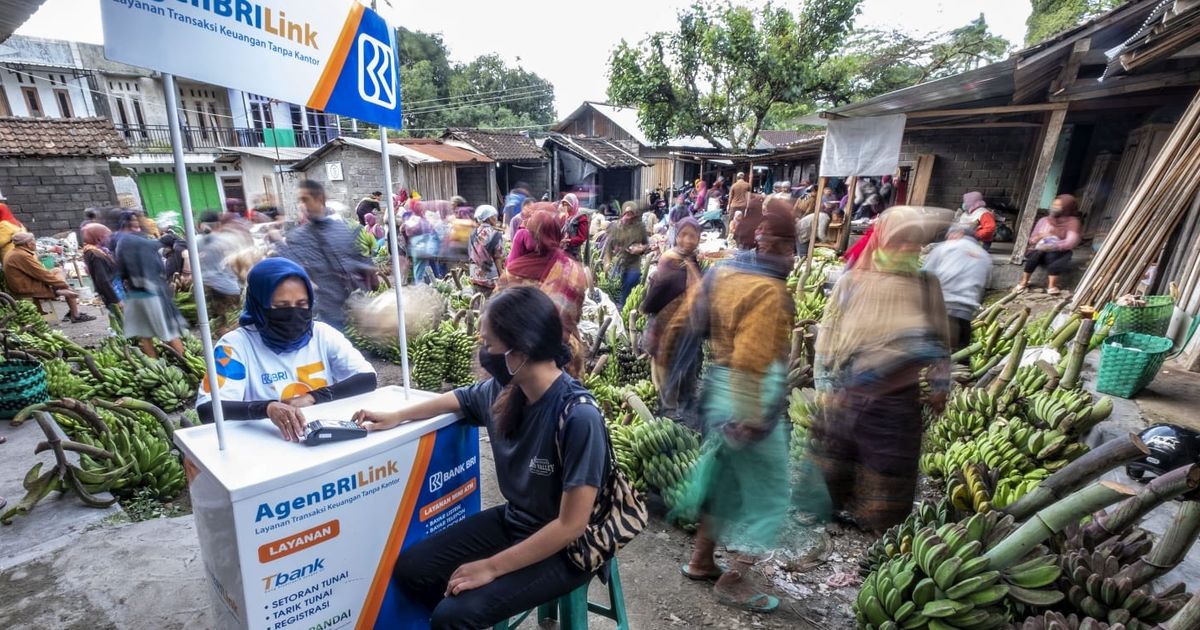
column 50, row 195
column 473, row 185
column 362, row 173
column 989, row 161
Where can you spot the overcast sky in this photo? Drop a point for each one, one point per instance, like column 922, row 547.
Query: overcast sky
column 568, row 41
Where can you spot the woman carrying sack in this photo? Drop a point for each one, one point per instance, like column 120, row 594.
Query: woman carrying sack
column 555, row 468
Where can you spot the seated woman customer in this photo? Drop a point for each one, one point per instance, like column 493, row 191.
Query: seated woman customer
column 279, row 360
column 511, row 558
column 1051, row 243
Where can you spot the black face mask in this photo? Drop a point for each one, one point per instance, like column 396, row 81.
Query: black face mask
column 289, row 324
column 497, row 366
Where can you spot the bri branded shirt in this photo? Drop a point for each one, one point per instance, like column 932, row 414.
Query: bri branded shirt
column 529, row 470
column 248, row 370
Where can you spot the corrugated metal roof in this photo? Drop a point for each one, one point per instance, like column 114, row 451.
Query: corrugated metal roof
column 13, row 14
column 500, row 146
column 599, row 151
column 280, row 154
column 441, row 151
column 994, row 81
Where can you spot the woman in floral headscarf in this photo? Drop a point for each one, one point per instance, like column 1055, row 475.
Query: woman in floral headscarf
column 9, row 225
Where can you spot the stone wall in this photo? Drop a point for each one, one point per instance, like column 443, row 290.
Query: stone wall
column 989, row 161
column 362, row 174
column 49, row 195
column 473, row 184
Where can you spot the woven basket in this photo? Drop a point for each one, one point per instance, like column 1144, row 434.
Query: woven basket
column 22, row 383
column 1129, row 361
column 1151, row 319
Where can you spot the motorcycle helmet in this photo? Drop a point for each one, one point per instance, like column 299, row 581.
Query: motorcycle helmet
column 1170, row 447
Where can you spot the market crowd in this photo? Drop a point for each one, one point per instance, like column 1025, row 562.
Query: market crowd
column 719, row 338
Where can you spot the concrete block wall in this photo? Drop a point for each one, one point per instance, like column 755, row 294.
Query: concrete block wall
column 990, row 161
column 473, row 184
column 49, row 195
column 362, row 174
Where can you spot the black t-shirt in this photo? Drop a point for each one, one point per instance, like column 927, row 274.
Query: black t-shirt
column 530, row 474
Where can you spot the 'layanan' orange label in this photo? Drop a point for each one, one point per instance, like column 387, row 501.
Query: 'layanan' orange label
column 295, row 542
column 440, row 505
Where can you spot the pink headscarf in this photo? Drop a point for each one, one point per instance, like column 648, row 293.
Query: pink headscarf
column 373, row 226
column 972, row 201
column 572, row 202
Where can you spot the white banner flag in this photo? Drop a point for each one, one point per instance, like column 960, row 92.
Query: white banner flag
column 862, row 146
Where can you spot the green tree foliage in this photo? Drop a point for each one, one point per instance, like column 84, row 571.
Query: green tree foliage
column 484, row 92
column 1051, row 17
column 719, row 73
column 877, row 62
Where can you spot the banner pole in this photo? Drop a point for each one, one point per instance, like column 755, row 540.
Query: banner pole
column 189, row 226
column 393, row 243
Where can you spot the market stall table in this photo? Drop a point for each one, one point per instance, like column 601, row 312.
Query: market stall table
column 296, row 536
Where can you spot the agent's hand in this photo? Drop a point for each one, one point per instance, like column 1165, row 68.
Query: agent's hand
column 289, row 419
column 471, row 575
column 376, row 420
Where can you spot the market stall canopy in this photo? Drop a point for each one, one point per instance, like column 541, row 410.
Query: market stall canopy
column 394, row 150
column 440, row 151
column 281, row 155
column 625, row 120
column 60, row 137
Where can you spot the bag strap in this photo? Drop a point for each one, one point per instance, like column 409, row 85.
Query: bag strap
column 581, row 399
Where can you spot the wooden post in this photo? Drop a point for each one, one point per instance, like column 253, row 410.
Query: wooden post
column 1037, row 184
column 750, row 176
column 816, row 224
column 492, row 185
column 847, row 216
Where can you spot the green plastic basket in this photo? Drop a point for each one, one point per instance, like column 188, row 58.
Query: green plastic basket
column 22, row 383
column 1151, row 319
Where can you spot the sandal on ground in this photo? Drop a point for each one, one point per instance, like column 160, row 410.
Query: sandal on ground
column 758, row 603
column 3, row 502
column 706, row 577
column 83, row 317
column 1054, row 291
column 1021, row 288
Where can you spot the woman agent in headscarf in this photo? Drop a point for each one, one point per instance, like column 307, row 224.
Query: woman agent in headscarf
column 1051, row 242
column 150, row 313
column 102, row 267
column 559, row 276
column 885, row 324
column 309, row 362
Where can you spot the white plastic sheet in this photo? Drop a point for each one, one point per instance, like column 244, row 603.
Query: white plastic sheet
column 862, row 146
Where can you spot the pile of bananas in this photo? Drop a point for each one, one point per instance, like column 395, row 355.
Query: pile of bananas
column 632, row 304
column 630, row 368
column 426, row 362
column 1050, row 448
column 1058, row 621
column 802, row 408
column 458, row 347
column 667, row 452
column 969, row 411
column 810, row 305
column 140, row 447
column 996, row 452
column 1067, row 411
column 628, row 459
column 63, row 380
column 947, row 581
column 1096, row 585
column 898, row 539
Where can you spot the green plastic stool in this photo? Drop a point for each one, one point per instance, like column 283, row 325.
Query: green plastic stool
column 571, row 610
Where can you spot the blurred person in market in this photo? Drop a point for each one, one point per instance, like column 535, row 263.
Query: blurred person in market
column 514, row 202
column 678, row 213
column 678, row 270
column 885, row 324
column 420, row 229
column 739, row 193
column 886, row 191
column 975, row 215
column 744, row 233
column 222, row 288
column 101, row 266
column 512, row 557
column 399, row 200
column 328, row 252
column 575, row 225
column 175, row 255
column 311, row 361
column 371, row 204
column 701, row 198
column 804, row 225
column 962, row 267
column 1051, row 242
column 623, row 249
column 740, row 487
column 9, row 227
column 27, row 278
column 486, row 251
column 545, row 266
column 150, row 312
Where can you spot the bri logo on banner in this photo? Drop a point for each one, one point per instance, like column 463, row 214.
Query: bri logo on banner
column 342, row 485
column 376, row 71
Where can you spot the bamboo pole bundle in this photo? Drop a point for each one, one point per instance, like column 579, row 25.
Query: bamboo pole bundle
column 1147, row 221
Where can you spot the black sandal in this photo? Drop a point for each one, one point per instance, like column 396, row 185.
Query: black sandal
column 83, row 317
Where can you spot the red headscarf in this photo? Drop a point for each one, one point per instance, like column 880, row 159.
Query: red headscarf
column 7, row 215
column 546, row 230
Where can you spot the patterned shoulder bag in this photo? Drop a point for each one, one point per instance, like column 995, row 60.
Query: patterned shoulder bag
column 617, row 516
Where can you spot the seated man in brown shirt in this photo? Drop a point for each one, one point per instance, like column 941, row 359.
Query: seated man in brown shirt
column 28, row 278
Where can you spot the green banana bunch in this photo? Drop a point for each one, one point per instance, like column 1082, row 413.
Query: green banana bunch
column 626, row 453
column 802, row 407
column 63, row 381
column 426, row 361
column 1009, row 489
column 667, row 452
column 971, row 488
column 146, row 460
column 459, row 353
column 1030, row 379
column 1057, row 621
column 810, row 305
column 898, row 539
column 633, row 303
column 988, row 448
column 630, row 368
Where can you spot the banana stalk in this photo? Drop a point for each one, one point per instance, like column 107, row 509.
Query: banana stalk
column 1054, row 519
column 1188, row 617
column 970, row 350
column 638, row 406
column 1065, row 333
column 1070, row 378
column 133, row 404
column 86, row 413
column 1162, row 489
column 1010, row 370
column 1171, row 548
column 989, row 315
column 1079, row 472
column 600, row 337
